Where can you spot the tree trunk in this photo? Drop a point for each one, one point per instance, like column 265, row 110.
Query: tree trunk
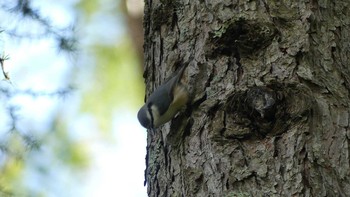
column 269, row 114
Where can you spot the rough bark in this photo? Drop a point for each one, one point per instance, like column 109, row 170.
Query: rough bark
column 270, row 85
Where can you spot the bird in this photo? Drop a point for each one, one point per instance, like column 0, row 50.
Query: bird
column 165, row 102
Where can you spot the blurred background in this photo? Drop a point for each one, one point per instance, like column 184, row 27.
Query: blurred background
column 70, row 90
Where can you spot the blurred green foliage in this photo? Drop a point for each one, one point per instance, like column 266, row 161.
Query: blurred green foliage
column 117, row 74
column 69, row 152
column 88, row 7
column 116, row 83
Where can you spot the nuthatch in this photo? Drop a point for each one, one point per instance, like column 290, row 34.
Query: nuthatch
column 164, row 103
